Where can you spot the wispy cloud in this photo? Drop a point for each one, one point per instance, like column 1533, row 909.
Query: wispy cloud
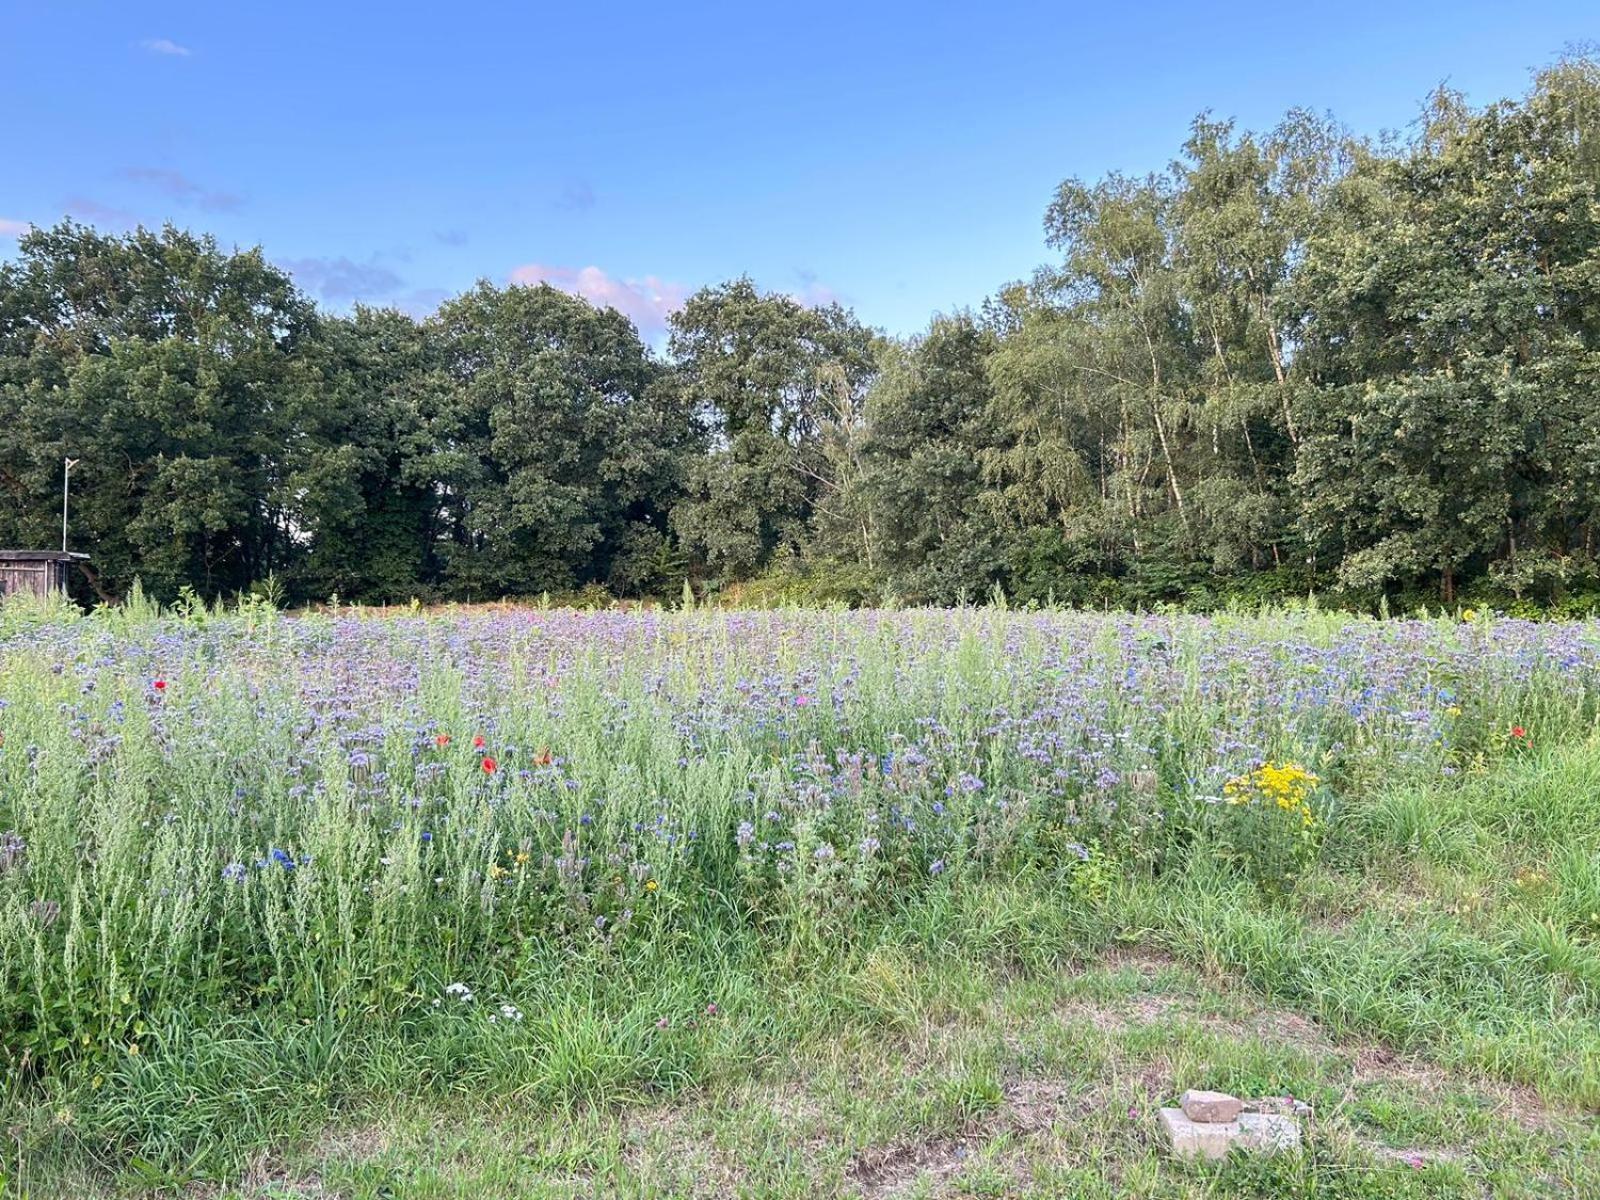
column 13, row 229
column 646, row 301
column 100, row 214
column 182, row 189
column 342, row 278
column 812, row 292
column 165, row 46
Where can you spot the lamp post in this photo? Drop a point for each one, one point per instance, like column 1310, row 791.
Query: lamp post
column 66, row 475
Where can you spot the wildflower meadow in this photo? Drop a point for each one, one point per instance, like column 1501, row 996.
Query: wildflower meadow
column 256, row 870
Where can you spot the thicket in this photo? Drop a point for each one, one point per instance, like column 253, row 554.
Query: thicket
column 1293, row 361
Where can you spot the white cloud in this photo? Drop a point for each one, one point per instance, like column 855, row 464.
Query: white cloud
column 13, row 229
column 646, row 301
column 165, row 46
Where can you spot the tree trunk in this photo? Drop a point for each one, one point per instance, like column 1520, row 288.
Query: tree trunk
column 94, row 582
column 1161, row 434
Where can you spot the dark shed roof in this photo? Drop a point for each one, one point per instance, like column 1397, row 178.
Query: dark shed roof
column 42, row 556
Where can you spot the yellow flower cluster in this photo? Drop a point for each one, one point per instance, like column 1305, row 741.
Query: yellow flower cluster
column 519, row 857
column 1285, row 785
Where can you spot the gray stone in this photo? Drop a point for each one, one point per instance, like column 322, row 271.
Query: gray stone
column 1284, row 1106
column 1254, row 1133
column 1196, row 1139
column 1267, row 1133
column 1210, row 1108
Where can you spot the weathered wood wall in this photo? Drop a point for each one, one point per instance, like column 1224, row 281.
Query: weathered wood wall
column 39, row 577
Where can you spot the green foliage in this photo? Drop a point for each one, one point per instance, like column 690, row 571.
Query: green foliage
column 1269, row 824
column 147, row 359
column 557, row 434
column 1291, row 363
column 1450, row 333
column 780, row 388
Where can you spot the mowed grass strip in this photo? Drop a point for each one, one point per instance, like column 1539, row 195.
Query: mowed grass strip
column 931, row 1081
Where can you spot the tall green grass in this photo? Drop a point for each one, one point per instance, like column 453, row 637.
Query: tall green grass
column 251, row 855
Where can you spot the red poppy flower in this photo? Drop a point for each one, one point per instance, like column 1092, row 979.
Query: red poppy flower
column 543, row 758
column 489, row 765
column 477, row 742
column 442, row 740
column 1517, row 731
column 160, row 685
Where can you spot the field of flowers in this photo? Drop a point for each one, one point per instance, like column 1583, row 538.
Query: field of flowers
column 255, row 847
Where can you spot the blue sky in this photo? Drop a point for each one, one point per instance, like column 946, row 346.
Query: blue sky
column 897, row 156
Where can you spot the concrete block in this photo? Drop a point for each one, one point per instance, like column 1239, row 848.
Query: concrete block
column 1267, row 1133
column 1196, row 1139
column 1254, row 1133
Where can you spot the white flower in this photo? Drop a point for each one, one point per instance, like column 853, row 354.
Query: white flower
column 510, row 1012
column 460, row 990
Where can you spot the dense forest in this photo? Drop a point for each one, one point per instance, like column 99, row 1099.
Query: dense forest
column 1294, row 361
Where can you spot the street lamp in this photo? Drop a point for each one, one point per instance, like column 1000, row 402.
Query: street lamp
column 66, row 474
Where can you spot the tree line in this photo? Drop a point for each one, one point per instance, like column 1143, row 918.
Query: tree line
column 1293, row 360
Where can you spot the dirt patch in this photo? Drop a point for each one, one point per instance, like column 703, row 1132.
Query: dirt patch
column 1119, row 1018
column 268, row 1179
column 891, row 1170
column 1138, row 957
column 1411, row 1156
column 1029, row 1108
column 1514, row 1102
column 1033, row 1106
column 352, row 1143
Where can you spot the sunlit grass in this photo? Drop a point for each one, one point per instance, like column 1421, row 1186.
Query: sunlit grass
column 716, row 848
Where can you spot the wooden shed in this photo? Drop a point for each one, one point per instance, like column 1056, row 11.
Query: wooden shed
column 41, row 572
